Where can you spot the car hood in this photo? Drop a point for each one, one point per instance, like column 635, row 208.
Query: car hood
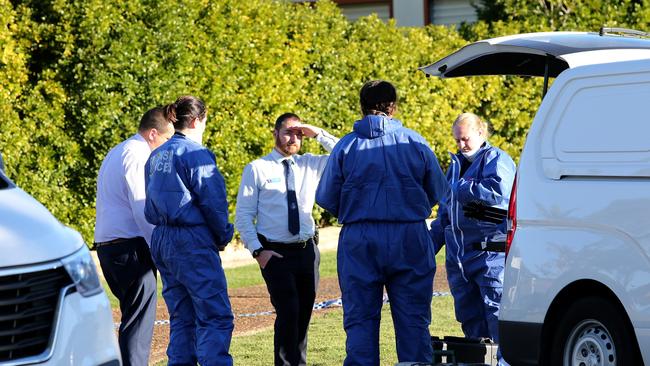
column 29, row 233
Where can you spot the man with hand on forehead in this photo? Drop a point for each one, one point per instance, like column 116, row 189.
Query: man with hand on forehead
column 274, row 217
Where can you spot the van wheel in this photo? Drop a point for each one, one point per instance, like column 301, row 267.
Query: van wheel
column 593, row 333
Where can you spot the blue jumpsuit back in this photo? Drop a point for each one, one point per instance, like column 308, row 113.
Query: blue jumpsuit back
column 382, row 181
column 186, row 200
column 475, row 277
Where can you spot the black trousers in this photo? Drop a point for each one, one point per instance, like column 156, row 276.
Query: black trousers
column 292, row 282
column 131, row 276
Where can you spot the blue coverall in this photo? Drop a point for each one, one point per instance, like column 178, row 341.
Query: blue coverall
column 381, row 181
column 186, row 200
column 475, row 276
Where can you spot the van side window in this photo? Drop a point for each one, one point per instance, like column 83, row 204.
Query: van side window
column 600, row 129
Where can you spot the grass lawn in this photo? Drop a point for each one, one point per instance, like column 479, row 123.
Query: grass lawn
column 326, row 335
column 250, row 275
column 327, row 338
column 246, row 276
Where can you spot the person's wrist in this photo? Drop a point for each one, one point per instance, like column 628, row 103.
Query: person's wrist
column 257, row 252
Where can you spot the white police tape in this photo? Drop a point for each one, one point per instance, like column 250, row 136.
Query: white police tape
column 317, row 306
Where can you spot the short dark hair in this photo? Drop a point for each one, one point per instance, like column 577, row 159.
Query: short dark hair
column 283, row 118
column 154, row 118
column 378, row 96
column 184, row 110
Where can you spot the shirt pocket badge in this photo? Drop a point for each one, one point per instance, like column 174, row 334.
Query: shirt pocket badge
column 272, row 183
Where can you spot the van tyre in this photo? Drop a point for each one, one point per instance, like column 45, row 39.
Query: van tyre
column 593, row 332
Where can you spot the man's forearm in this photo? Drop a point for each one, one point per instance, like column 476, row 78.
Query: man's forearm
column 327, row 140
column 248, row 233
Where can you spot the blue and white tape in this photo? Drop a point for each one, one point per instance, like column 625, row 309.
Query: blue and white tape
column 317, row 306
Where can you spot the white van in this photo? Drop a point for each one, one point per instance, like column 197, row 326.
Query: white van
column 577, row 278
column 53, row 310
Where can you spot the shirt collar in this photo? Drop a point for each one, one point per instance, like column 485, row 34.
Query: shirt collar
column 139, row 137
column 277, row 157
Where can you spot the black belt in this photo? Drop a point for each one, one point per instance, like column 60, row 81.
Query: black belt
column 114, row 241
column 273, row 245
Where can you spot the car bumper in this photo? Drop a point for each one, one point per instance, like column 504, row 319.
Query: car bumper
column 520, row 342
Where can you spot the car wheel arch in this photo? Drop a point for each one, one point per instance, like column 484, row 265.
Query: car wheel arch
column 565, row 298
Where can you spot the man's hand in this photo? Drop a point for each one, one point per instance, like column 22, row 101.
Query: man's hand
column 265, row 256
column 308, row 130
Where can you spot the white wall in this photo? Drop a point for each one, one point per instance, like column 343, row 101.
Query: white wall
column 409, row 13
column 354, row 11
column 451, row 11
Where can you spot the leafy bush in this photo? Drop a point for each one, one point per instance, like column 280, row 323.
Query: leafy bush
column 573, row 15
column 39, row 153
column 76, row 75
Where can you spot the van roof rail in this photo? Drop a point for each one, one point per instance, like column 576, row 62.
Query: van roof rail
column 622, row 31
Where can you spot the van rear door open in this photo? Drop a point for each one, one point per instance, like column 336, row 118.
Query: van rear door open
column 536, row 54
column 529, row 54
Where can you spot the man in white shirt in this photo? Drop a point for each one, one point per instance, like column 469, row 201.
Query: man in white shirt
column 122, row 234
column 273, row 216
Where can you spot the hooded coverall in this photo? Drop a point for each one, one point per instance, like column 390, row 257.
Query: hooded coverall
column 381, row 181
column 475, row 276
column 186, row 200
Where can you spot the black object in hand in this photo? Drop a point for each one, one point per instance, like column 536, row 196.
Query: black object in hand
column 481, row 212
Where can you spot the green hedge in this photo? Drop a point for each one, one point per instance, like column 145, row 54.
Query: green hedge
column 76, row 75
column 578, row 15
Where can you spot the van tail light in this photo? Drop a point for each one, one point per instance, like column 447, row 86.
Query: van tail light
column 512, row 216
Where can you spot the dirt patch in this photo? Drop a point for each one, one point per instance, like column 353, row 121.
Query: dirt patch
column 255, row 299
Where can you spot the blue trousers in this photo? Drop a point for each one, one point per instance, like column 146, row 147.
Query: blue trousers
column 399, row 257
column 477, row 290
column 195, row 290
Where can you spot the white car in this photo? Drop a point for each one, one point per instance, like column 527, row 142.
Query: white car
column 577, row 277
column 53, row 310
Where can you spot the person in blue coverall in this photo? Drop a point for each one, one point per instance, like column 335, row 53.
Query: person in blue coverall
column 480, row 174
column 381, row 181
column 186, row 200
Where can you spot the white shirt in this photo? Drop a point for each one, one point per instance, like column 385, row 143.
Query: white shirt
column 262, row 198
column 121, row 192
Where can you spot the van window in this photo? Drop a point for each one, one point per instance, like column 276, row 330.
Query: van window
column 601, row 128
column 608, row 123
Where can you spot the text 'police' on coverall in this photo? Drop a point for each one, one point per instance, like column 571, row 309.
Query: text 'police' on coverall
column 475, row 276
column 382, row 181
column 186, row 200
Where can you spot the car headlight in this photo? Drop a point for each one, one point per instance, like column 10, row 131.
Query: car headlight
column 81, row 268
